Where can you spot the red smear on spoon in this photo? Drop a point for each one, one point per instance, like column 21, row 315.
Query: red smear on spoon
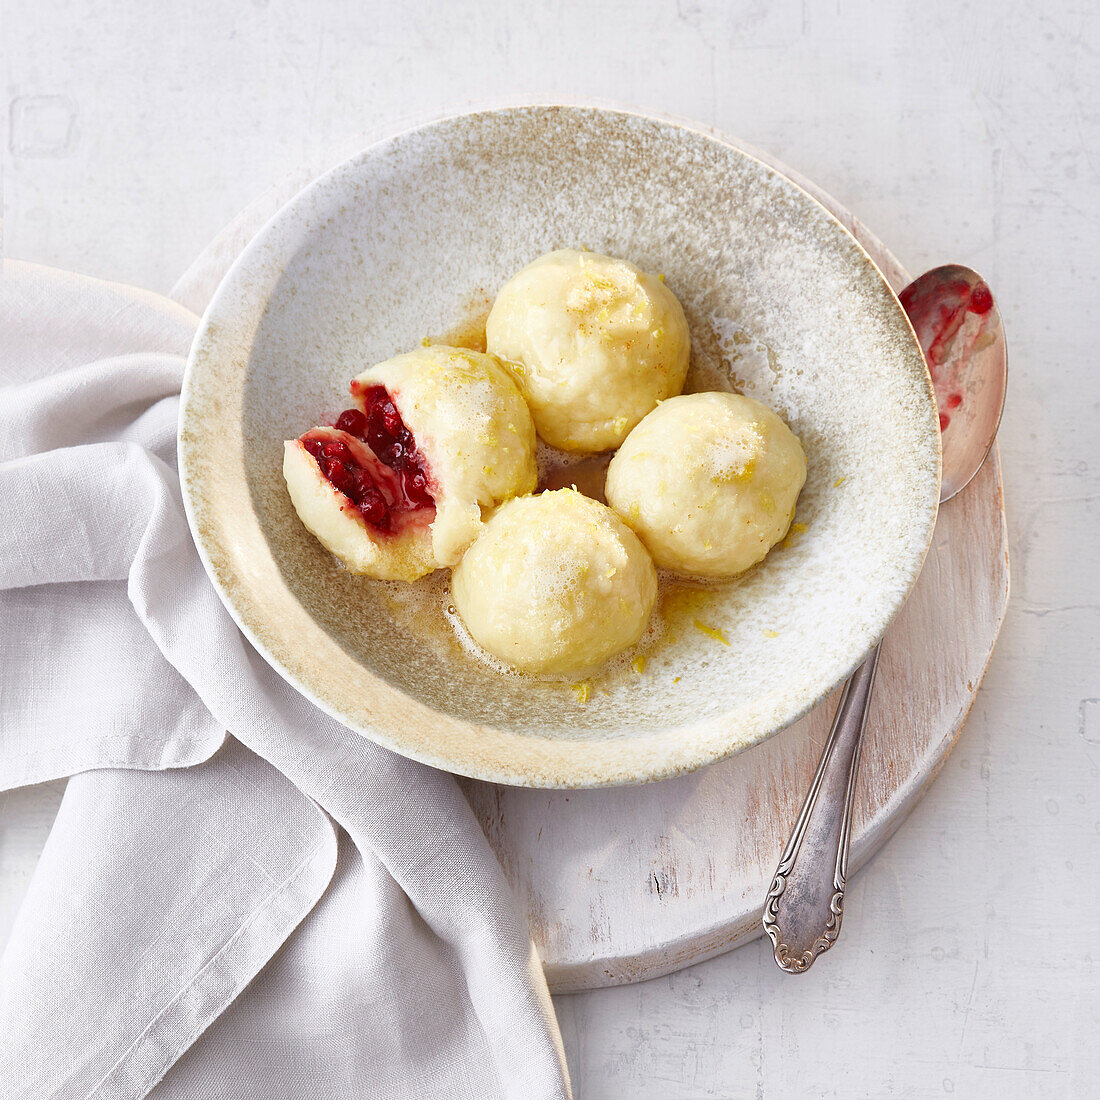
column 941, row 314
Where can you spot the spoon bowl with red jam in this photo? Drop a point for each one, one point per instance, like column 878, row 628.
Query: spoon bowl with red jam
column 959, row 330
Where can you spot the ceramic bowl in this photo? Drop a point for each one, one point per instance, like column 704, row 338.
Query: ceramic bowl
column 410, row 239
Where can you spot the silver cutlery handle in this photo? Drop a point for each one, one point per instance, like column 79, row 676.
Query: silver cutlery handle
column 806, row 902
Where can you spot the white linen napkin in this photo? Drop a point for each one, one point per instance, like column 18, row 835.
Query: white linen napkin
column 159, row 941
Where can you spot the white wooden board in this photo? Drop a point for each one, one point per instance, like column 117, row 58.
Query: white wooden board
column 627, row 884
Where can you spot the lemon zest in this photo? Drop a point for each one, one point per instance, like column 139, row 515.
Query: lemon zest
column 793, row 535
column 711, row 632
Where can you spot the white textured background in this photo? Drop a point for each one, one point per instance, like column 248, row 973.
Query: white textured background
column 971, row 132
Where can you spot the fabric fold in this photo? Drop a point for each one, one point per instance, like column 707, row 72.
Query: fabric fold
column 163, row 894
column 157, row 899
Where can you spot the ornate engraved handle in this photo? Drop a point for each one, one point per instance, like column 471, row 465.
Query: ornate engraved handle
column 806, row 902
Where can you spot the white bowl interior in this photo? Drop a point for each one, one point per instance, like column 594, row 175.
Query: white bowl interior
column 408, row 240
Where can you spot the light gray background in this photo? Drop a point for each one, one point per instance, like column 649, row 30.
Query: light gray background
column 966, row 132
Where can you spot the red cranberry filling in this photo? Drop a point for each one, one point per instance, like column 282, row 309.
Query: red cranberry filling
column 981, row 299
column 392, row 442
column 383, row 431
column 353, row 422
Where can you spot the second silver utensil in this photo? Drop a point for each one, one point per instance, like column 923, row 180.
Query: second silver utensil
column 960, row 332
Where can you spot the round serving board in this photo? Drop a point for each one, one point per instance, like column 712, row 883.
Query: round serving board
column 629, row 883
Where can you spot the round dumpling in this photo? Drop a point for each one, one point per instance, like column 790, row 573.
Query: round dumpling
column 594, row 343
column 708, row 481
column 555, row 584
column 396, row 489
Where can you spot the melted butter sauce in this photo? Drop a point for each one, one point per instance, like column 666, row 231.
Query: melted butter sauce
column 682, row 613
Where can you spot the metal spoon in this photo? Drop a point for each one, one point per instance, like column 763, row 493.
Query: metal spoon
column 960, row 333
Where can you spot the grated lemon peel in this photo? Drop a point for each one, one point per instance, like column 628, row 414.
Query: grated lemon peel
column 711, row 632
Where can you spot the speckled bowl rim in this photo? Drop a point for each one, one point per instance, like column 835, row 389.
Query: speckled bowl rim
column 492, row 754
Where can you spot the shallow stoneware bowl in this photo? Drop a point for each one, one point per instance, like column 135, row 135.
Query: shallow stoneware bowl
column 410, row 239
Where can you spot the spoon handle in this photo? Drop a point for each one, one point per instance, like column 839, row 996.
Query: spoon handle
column 806, row 902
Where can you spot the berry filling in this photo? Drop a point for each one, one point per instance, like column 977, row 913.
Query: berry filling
column 385, row 433
column 981, row 299
column 386, row 501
